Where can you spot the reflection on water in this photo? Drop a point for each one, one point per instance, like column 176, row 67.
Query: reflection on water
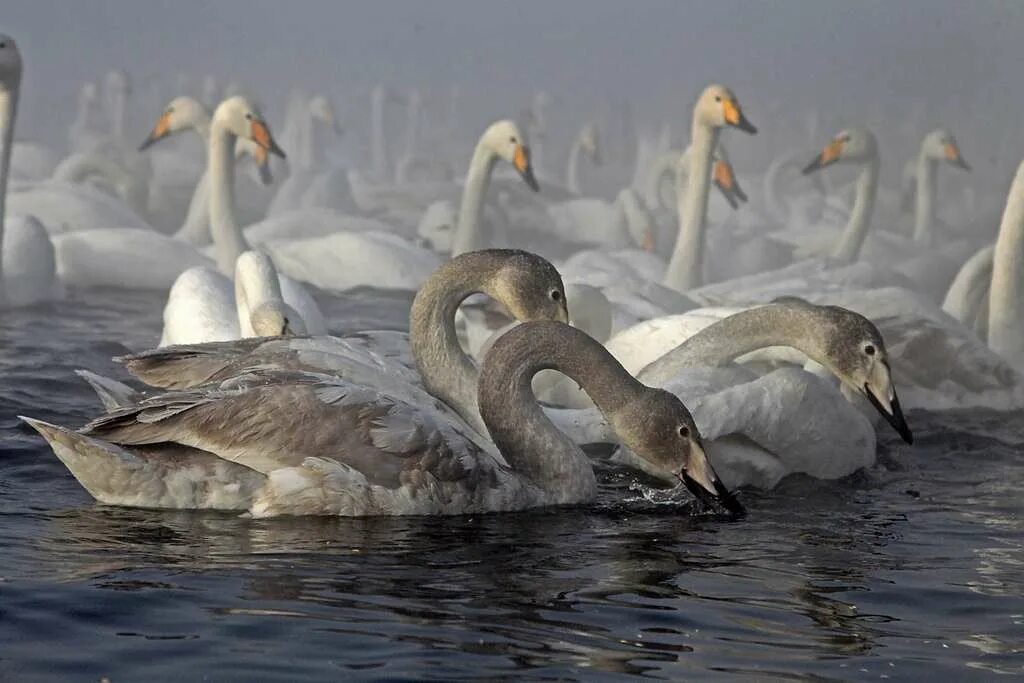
column 911, row 570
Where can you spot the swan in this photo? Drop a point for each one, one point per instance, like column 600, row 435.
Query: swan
column 587, row 144
column 203, row 289
column 187, row 113
column 344, row 260
column 525, row 284
column 84, row 130
column 938, row 145
column 200, row 309
column 291, row 443
column 717, row 107
column 992, row 279
column 27, row 270
column 761, row 428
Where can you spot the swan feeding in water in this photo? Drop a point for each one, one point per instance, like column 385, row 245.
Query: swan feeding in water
column 293, row 443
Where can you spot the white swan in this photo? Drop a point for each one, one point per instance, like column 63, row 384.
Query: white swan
column 382, row 259
column 938, row 145
column 281, row 442
column 587, row 144
column 187, row 113
column 27, row 271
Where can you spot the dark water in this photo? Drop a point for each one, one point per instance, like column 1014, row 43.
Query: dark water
column 911, row 571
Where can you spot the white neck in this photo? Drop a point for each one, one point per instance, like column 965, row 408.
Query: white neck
column 256, row 283
column 572, row 174
column 684, row 270
column 848, row 247
column 479, row 176
column 378, row 148
column 8, row 112
column 1005, row 316
column 924, row 210
column 228, row 240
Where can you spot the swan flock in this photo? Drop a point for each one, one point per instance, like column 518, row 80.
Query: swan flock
column 715, row 337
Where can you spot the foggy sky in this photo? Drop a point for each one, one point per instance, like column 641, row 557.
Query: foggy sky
column 957, row 60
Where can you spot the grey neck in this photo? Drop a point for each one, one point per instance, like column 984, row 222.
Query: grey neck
column 684, row 270
column 848, row 247
column 447, row 371
column 517, row 424
column 924, row 209
column 466, row 234
column 572, row 175
column 228, row 240
column 799, row 327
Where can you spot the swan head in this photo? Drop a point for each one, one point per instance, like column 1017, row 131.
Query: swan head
column 942, row 146
column 853, row 349
column 657, row 427
column 242, row 118
column 718, row 107
column 321, row 109
column 10, row 62
column 180, row 113
column 506, row 141
column 853, row 145
column 275, row 319
column 117, row 82
column 529, row 287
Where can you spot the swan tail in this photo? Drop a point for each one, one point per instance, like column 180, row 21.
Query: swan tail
column 112, row 394
column 171, row 476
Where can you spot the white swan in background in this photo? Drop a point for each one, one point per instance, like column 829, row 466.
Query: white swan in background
column 201, row 309
column 143, row 259
column 987, row 291
column 365, row 452
column 187, row 113
column 84, row 130
column 716, row 108
column 938, row 145
column 344, row 260
column 105, row 173
column 586, row 145
column 27, row 270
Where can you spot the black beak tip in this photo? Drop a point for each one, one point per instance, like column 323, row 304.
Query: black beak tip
column 812, row 167
column 747, row 127
column 147, row 143
column 530, row 179
column 721, row 498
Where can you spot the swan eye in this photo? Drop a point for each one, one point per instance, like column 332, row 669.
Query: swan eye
column 684, row 431
column 248, row 117
column 556, row 295
column 2, row 45
column 512, row 139
column 718, row 98
column 869, row 349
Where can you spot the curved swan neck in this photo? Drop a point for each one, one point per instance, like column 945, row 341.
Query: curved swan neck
column 479, row 177
column 850, row 243
column 684, row 270
column 378, row 146
column 447, row 371
column 1005, row 317
column 517, row 424
column 756, row 328
column 228, row 240
column 256, row 283
column 8, row 112
column 924, row 208
column 195, row 229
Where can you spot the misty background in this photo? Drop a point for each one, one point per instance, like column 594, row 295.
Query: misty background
column 902, row 67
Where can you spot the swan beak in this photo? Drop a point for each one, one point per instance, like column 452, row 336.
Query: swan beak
column 954, row 157
column 725, row 181
column 734, row 117
column 700, row 479
column 647, row 242
column 161, row 130
column 521, row 160
column 262, row 137
column 828, row 156
column 262, row 159
column 887, row 403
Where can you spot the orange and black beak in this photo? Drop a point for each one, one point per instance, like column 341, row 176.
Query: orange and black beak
column 954, row 157
column 521, row 160
column 725, row 181
column 261, row 136
column 734, row 117
column 161, row 130
column 262, row 159
column 828, row 156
